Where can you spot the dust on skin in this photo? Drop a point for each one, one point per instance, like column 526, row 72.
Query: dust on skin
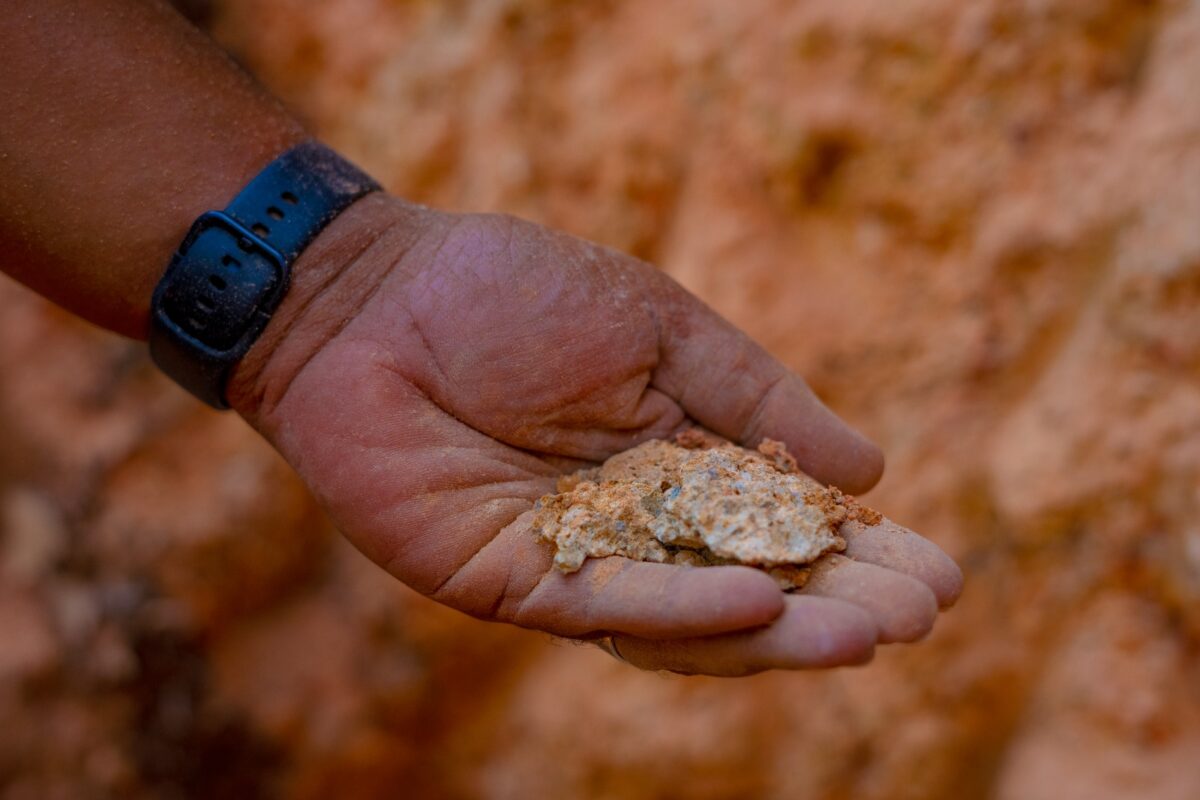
column 698, row 500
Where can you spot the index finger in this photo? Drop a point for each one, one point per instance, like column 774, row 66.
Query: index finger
column 512, row 578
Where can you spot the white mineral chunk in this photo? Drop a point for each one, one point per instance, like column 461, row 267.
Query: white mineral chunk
column 709, row 502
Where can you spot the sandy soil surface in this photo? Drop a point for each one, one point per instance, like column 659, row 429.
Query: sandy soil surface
column 975, row 227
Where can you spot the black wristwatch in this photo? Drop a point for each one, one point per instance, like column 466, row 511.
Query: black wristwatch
column 233, row 267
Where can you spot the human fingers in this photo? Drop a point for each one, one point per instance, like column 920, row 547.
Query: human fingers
column 897, row 548
column 903, row 608
column 812, row 632
column 513, row 579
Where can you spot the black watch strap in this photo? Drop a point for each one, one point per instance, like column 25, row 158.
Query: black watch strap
column 233, row 267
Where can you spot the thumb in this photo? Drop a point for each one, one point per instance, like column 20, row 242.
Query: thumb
column 730, row 384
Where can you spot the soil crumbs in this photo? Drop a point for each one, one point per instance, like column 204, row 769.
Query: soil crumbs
column 701, row 501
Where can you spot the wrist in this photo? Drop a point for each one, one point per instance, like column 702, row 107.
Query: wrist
column 335, row 275
column 211, row 186
column 234, row 267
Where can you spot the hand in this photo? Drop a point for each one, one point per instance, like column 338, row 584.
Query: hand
column 430, row 375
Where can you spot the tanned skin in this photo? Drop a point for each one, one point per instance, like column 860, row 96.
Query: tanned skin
column 430, row 374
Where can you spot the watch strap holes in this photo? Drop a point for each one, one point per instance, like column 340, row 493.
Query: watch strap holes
column 232, row 268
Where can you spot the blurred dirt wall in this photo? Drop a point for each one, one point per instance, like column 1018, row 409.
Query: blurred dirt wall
column 975, row 227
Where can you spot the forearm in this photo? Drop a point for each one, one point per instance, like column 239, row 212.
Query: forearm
column 120, row 125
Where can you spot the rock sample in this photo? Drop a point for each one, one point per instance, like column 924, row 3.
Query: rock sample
column 701, row 501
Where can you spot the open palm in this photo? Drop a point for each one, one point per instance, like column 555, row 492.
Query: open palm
column 447, row 368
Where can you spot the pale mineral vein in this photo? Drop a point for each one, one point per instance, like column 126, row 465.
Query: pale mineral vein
column 697, row 504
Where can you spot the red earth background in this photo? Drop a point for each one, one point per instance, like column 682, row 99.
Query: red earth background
column 974, row 227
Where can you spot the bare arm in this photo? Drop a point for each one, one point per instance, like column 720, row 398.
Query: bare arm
column 120, row 125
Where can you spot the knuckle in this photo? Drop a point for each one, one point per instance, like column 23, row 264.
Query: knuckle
column 755, row 423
